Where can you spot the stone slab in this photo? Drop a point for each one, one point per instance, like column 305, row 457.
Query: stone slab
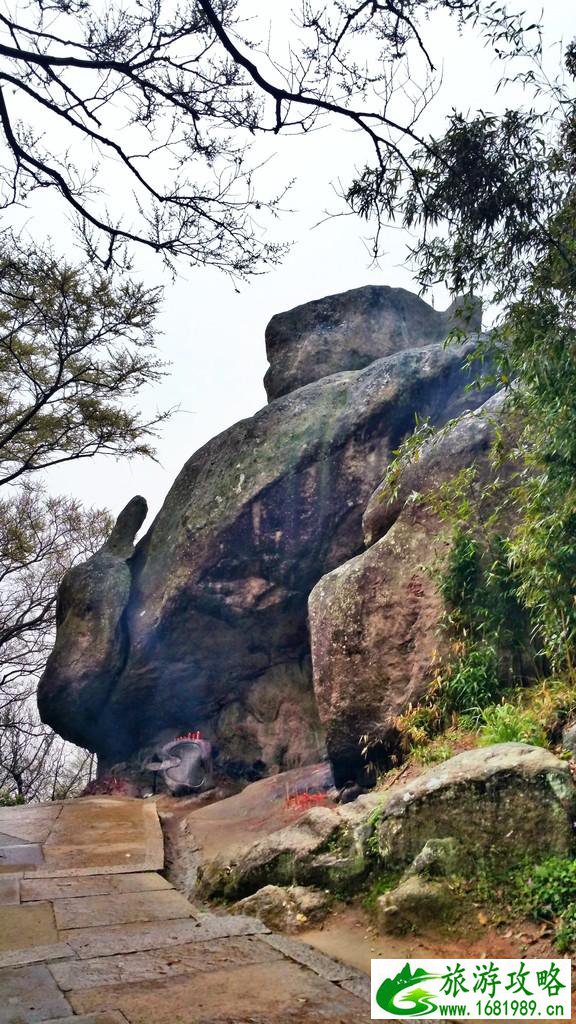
column 96, row 835
column 32, row 822
column 91, row 885
column 36, row 954
column 26, row 926
column 9, row 889
column 190, row 958
column 121, row 908
column 29, row 995
column 8, row 840
column 18, row 853
column 133, row 938
column 325, row 966
column 108, row 1017
column 247, row 993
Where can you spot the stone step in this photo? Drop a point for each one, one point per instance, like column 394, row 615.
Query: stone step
column 89, row 885
column 120, row 908
column 133, row 938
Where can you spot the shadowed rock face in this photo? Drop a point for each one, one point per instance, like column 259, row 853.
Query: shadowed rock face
column 92, row 639
column 350, row 330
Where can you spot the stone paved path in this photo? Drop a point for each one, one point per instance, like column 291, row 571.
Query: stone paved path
column 91, row 933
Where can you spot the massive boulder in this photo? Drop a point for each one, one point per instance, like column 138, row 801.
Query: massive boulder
column 374, row 620
column 350, row 330
column 216, row 625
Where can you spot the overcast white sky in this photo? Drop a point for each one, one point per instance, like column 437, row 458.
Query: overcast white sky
column 214, row 337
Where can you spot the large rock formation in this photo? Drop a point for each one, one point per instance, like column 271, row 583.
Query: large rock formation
column 214, row 630
column 351, row 330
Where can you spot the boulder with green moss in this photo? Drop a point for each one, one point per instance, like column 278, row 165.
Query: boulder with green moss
column 375, row 621
column 214, row 623
column 509, row 802
column 415, row 903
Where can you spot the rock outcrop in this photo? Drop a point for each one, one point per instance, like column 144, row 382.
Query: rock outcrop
column 509, row 802
column 491, row 806
column 415, row 903
column 466, row 444
column 350, row 330
column 374, row 620
column 325, row 847
column 204, row 627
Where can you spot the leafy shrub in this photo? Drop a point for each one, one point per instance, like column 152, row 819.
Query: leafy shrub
column 553, row 704
column 419, row 724
column 548, row 892
column 550, row 888
column 432, row 753
column 8, row 800
column 461, row 577
column 472, row 682
column 508, row 723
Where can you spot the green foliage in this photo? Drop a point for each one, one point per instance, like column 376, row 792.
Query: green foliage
column 470, row 683
column 508, row 723
column 565, row 938
column 384, row 882
column 75, row 346
column 547, row 892
column 484, row 620
column 8, row 799
column 549, row 888
column 407, row 453
column 434, row 752
column 494, row 205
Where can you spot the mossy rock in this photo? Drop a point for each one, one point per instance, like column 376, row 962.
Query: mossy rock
column 415, row 903
column 509, row 800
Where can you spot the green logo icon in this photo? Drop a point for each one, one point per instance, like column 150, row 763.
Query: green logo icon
column 404, row 994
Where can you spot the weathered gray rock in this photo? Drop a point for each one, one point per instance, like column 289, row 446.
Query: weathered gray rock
column 374, row 636
column 415, row 903
column 91, row 641
column 374, row 620
column 285, row 908
column 508, row 801
column 214, row 636
column 350, row 330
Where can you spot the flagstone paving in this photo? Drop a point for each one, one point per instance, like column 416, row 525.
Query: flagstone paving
column 91, row 933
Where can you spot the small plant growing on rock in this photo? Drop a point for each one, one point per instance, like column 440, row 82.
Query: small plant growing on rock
column 566, row 930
